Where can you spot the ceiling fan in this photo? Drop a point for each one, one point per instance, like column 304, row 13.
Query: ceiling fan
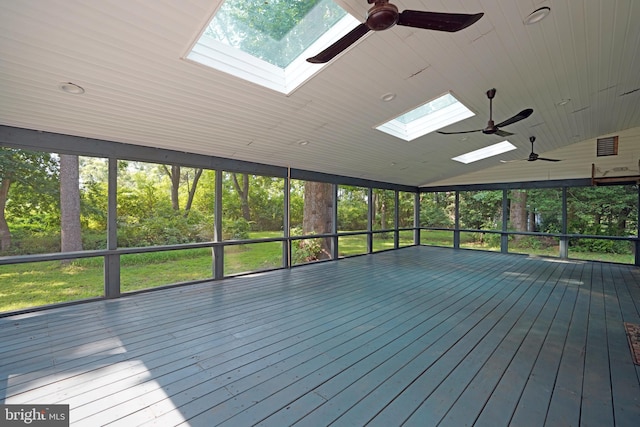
column 533, row 156
column 492, row 128
column 383, row 15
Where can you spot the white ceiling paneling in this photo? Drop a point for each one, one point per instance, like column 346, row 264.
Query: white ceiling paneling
column 127, row 54
column 576, row 162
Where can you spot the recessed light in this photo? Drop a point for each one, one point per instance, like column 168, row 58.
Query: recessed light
column 563, row 102
column 388, row 97
column 71, row 88
column 537, row 15
column 303, row 142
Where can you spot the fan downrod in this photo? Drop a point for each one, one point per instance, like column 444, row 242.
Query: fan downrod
column 533, row 156
column 491, row 125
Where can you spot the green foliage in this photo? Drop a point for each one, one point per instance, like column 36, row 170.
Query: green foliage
column 352, row 217
column 352, row 208
column 383, row 209
column 296, row 203
column 534, row 243
column 34, row 187
column 275, row 18
column 236, row 229
column 31, row 168
column 405, row 210
column 436, row 210
column 432, row 215
column 481, row 210
column 164, row 227
column 610, row 208
column 305, row 250
column 266, row 203
column 603, row 246
column 592, row 245
column 492, row 239
column 270, row 30
column 547, row 205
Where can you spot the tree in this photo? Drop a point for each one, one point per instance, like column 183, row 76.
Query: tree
column 518, row 211
column 33, row 170
column 269, row 29
column 5, row 234
column 436, row 209
column 352, row 208
column 318, row 212
column 602, row 210
column 71, row 232
column 383, row 209
column 176, row 176
column 481, row 209
column 243, row 193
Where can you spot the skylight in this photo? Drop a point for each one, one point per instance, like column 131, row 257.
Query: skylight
column 268, row 42
column 483, row 153
column 429, row 117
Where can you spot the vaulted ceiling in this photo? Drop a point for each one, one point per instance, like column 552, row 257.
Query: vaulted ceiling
column 128, row 56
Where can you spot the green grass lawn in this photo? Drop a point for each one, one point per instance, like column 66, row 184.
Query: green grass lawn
column 42, row 283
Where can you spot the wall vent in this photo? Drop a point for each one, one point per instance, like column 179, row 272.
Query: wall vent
column 607, row 146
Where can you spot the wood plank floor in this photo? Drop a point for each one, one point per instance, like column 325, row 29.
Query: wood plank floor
column 420, row 336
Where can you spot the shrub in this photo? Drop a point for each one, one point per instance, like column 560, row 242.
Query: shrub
column 237, row 229
column 305, row 250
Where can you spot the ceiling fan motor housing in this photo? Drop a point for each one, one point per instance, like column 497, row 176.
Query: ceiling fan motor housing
column 381, row 16
column 490, row 129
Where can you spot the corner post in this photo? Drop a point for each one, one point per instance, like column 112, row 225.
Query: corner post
column 112, row 261
column 564, row 239
column 456, row 230
column 217, row 250
column 504, row 237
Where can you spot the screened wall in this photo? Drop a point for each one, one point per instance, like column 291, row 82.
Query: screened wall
column 569, row 219
column 79, row 222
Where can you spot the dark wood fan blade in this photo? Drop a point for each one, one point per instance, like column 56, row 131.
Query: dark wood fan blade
column 502, row 133
column 520, row 116
column 455, row 133
column 335, row 49
column 549, row 160
column 450, row 22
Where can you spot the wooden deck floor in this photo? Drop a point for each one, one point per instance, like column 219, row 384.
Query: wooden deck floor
column 419, row 336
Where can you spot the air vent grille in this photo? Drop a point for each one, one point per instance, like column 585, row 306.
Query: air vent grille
column 607, row 146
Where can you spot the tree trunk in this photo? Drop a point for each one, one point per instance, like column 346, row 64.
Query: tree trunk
column 71, row 233
column 374, row 204
column 192, row 191
column 318, row 212
column 621, row 222
column 518, row 211
column 174, row 176
column 383, row 214
column 243, row 193
column 5, row 233
column 532, row 221
column 175, row 187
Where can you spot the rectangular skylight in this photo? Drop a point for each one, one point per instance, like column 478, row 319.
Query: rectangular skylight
column 268, row 42
column 435, row 114
column 483, row 153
